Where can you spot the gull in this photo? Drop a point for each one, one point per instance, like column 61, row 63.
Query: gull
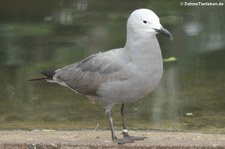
column 122, row 75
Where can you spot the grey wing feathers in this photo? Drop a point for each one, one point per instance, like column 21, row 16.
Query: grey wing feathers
column 86, row 76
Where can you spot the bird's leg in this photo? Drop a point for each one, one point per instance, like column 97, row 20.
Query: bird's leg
column 125, row 131
column 114, row 138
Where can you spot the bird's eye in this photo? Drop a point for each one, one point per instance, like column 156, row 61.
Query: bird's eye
column 144, row 21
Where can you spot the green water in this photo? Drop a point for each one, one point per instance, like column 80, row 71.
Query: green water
column 38, row 35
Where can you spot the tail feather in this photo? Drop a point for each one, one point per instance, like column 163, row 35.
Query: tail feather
column 47, row 73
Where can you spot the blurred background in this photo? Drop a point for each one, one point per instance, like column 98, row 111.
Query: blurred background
column 48, row 34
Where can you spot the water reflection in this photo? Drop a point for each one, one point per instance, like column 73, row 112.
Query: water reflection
column 190, row 96
column 166, row 99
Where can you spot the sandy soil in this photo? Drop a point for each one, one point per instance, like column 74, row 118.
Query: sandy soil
column 101, row 139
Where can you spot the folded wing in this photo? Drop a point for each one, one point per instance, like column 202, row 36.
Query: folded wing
column 86, row 76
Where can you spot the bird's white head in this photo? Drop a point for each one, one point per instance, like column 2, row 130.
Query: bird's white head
column 145, row 23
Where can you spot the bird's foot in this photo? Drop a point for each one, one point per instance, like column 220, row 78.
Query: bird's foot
column 126, row 135
column 127, row 138
column 123, row 140
column 136, row 138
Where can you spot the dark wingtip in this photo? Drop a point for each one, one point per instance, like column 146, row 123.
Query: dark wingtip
column 48, row 73
column 37, row 79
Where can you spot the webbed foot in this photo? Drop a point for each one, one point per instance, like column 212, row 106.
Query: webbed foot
column 123, row 140
column 127, row 138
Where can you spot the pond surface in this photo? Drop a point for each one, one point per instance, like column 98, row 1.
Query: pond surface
column 46, row 34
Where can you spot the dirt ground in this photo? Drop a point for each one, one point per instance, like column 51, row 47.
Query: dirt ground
column 101, row 139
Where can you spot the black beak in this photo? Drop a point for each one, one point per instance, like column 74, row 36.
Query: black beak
column 165, row 32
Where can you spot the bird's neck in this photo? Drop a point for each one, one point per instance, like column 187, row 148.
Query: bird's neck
column 145, row 55
column 143, row 50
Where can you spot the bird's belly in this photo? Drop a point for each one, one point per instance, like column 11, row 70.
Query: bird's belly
column 129, row 90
